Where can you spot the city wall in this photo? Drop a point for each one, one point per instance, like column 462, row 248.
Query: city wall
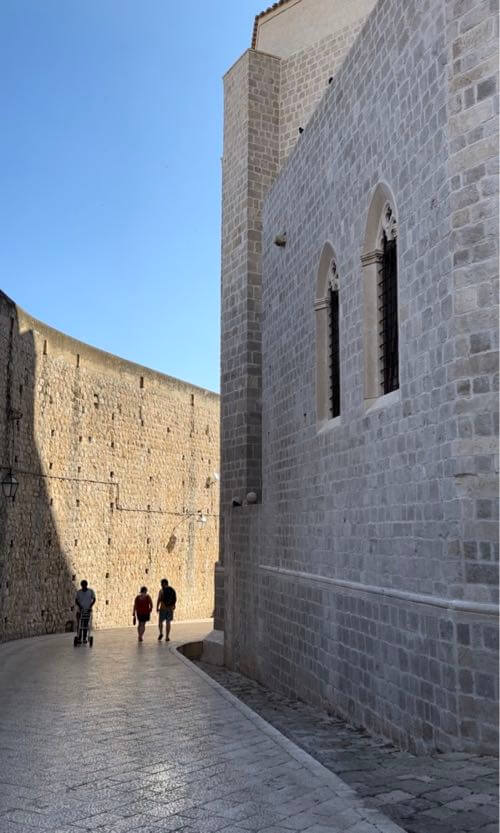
column 115, row 463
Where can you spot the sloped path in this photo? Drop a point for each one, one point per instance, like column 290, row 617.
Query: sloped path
column 127, row 737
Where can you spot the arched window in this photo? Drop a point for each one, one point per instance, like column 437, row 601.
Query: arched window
column 327, row 308
column 380, row 272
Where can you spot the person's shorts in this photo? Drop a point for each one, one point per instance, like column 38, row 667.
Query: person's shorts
column 143, row 617
column 166, row 615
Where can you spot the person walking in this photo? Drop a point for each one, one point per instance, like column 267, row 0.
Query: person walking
column 165, row 605
column 85, row 601
column 143, row 605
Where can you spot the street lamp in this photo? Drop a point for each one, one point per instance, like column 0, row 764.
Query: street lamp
column 9, row 485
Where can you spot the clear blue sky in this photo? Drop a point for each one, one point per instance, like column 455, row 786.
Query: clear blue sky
column 110, row 145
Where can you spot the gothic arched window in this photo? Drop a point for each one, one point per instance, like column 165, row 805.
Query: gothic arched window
column 380, row 274
column 327, row 306
column 333, row 341
column 388, row 304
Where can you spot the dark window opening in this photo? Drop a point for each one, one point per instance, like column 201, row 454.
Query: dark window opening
column 334, row 351
column 388, row 317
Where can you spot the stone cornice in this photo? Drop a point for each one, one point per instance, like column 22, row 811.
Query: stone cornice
column 459, row 605
column 371, row 257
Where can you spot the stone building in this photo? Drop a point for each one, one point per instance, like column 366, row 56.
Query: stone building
column 116, row 466
column 359, row 551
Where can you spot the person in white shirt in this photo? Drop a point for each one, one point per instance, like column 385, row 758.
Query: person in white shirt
column 85, row 600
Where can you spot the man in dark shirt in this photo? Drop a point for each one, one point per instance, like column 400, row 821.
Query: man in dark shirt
column 165, row 605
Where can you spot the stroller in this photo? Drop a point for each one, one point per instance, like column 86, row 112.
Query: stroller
column 84, row 632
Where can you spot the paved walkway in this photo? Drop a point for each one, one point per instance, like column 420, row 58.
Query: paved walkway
column 448, row 793
column 127, row 737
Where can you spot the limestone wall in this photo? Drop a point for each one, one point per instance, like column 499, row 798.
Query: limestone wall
column 112, row 460
column 289, row 27
column 266, row 99
column 366, row 580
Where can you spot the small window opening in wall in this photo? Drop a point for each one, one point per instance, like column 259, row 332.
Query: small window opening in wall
column 148, row 540
column 12, row 542
column 73, row 577
column 20, row 390
column 96, row 400
column 109, row 541
column 113, row 415
column 192, row 399
column 79, row 469
column 146, row 571
column 50, row 465
column 112, row 444
column 78, row 359
column 149, row 507
column 80, row 439
column 111, row 506
column 51, row 501
column 15, row 460
column 111, row 474
column 141, row 383
column 107, row 601
column 107, row 575
column 90, row 439
column 77, row 502
column 333, row 341
column 150, row 478
column 388, row 315
column 45, row 347
column 52, row 433
column 76, row 542
column 50, row 400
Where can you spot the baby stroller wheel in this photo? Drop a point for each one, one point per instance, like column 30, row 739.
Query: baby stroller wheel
column 91, row 641
column 75, row 641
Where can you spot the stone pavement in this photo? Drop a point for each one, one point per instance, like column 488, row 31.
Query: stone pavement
column 131, row 737
column 448, row 793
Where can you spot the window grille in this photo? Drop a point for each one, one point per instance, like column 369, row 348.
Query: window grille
column 388, row 317
column 334, row 348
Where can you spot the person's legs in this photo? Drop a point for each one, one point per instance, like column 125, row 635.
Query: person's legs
column 168, row 624
column 141, row 627
column 160, row 624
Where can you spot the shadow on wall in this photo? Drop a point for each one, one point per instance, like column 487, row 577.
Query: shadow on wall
column 37, row 587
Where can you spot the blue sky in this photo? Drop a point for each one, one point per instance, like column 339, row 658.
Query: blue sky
column 110, row 147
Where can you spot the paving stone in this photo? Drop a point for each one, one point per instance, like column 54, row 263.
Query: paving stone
column 153, row 747
column 418, row 783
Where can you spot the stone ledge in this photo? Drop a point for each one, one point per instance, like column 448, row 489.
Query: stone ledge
column 210, row 650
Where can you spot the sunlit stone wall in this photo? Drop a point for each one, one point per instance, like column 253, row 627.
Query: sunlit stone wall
column 114, row 462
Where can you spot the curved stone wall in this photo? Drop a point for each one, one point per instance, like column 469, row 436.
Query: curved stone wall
column 114, row 463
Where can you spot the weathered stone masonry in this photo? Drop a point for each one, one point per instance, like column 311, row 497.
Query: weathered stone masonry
column 114, row 461
column 366, row 579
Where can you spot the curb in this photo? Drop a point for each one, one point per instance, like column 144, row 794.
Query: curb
column 339, row 787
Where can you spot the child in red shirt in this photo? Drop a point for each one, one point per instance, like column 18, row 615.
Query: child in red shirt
column 143, row 605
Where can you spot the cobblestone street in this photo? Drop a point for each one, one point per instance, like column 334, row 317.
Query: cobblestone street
column 452, row 793
column 131, row 737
